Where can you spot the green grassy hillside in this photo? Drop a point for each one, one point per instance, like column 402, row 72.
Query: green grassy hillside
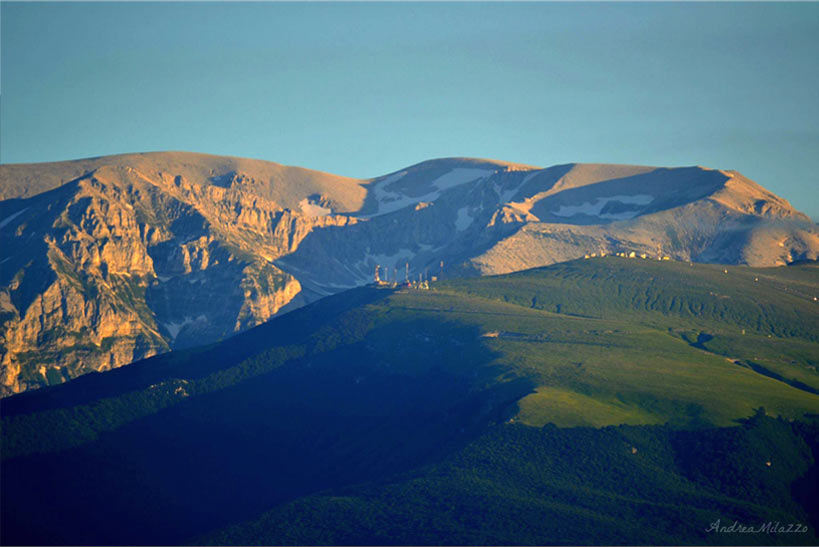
column 701, row 322
column 376, row 389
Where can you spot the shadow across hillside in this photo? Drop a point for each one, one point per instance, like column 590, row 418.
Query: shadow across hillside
column 662, row 188
column 192, row 363
column 521, row 485
column 344, row 412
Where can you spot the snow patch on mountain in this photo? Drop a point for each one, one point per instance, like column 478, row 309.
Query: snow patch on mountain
column 463, row 220
column 173, row 328
column 390, row 201
column 506, row 192
column 458, row 176
column 9, row 218
column 398, row 258
column 596, row 208
column 313, row 209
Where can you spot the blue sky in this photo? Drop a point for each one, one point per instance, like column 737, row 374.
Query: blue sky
column 364, row 89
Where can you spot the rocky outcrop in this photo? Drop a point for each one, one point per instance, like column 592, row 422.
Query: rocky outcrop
column 109, row 260
column 128, row 260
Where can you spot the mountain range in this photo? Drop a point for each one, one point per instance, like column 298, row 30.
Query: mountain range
column 109, row 260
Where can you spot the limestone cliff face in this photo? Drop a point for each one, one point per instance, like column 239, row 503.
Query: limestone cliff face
column 128, row 260
column 109, row 260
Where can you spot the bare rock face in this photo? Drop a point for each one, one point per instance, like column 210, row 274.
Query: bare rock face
column 109, row 260
column 145, row 253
